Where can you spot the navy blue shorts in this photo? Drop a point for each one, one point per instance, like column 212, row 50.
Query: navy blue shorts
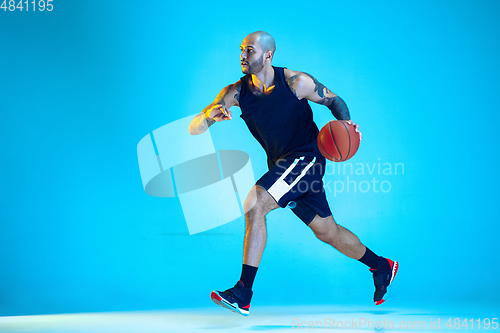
column 298, row 182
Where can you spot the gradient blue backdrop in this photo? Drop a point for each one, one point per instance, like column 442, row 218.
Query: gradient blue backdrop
column 81, row 85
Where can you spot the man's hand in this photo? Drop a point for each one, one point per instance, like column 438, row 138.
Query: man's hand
column 356, row 128
column 219, row 113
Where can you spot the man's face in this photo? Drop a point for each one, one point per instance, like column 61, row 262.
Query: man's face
column 252, row 57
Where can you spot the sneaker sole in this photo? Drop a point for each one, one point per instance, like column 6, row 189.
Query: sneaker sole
column 395, row 267
column 217, row 299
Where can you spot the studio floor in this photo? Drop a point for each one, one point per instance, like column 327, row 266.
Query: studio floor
column 435, row 318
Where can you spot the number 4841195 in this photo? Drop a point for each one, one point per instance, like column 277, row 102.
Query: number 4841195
column 27, row 5
column 485, row 323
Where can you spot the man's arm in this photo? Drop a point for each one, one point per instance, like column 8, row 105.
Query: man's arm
column 304, row 85
column 218, row 110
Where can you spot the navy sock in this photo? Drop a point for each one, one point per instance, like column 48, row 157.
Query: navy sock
column 370, row 259
column 248, row 275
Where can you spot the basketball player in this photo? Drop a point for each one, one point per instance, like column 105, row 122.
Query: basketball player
column 274, row 105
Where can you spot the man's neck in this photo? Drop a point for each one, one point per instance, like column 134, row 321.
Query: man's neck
column 264, row 80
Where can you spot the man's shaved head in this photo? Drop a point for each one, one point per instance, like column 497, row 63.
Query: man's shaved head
column 257, row 51
column 265, row 40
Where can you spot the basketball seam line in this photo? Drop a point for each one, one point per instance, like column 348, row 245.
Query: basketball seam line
column 330, row 127
column 323, row 148
column 349, row 135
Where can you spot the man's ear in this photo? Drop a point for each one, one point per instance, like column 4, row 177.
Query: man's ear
column 269, row 55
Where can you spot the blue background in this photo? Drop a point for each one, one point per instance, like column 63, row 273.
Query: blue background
column 81, row 85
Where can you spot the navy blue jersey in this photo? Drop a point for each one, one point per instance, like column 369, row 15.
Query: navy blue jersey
column 281, row 122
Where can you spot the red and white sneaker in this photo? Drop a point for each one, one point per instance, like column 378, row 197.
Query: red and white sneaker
column 382, row 277
column 236, row 299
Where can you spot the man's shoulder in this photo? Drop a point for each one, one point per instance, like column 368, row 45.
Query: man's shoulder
column 289, row 73
column 295, row 76
column 295, row 79
column 236, row 85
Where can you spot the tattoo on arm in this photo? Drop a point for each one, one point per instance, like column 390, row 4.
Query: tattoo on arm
column 218, row 100
column 222, row 95
column 202, row 121
column 238, row 90
column 290, row 81
column 205, row 122
column 321, row 90
column 339, row 108
column 210, row 121
column 335, row 104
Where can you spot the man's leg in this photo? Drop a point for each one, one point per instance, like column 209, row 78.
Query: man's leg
column 337, row 236
column 258, row 203
column 237, row 299
column 384, row 270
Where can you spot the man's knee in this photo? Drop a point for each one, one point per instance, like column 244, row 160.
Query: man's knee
column 324, row 229
column 251, row 200
column 259, row 202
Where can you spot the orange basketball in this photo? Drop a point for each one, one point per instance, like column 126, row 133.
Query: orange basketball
column 338, row 141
